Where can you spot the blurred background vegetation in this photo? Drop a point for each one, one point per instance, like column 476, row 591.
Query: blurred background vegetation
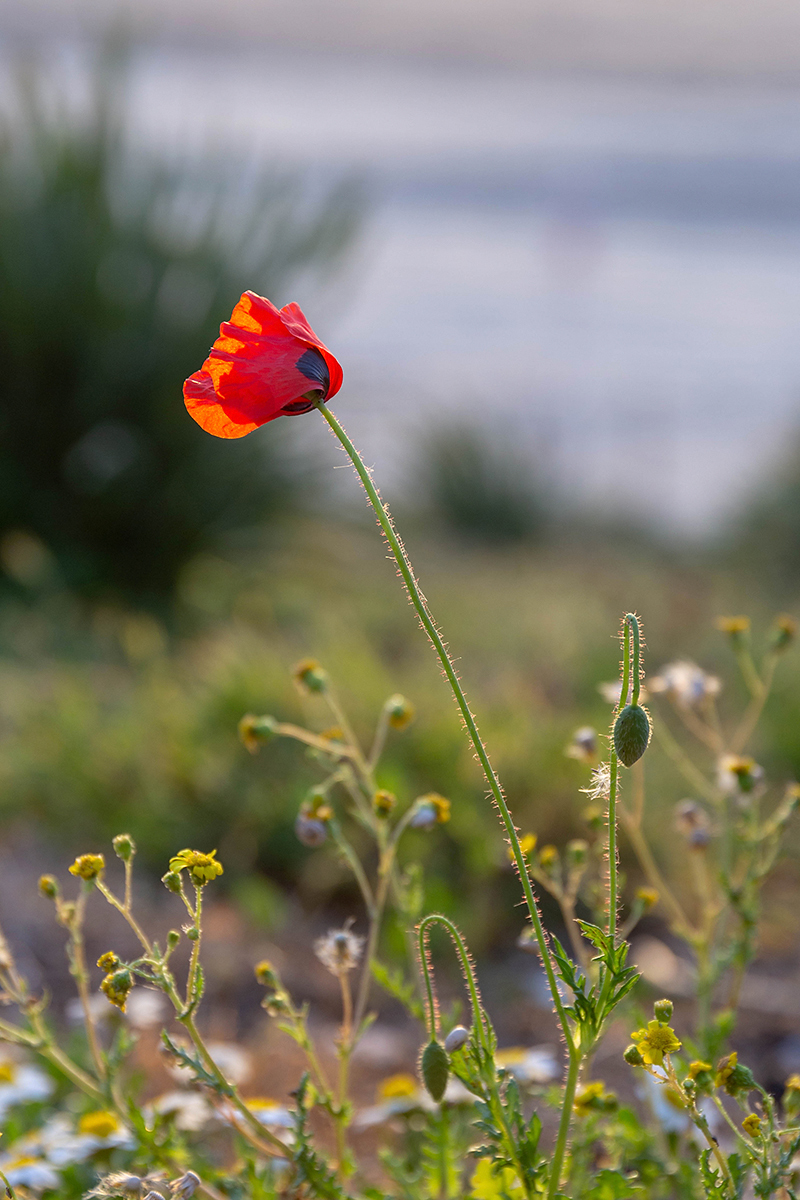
column 115, row 272
column 158, row 584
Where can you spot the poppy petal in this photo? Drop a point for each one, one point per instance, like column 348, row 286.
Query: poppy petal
column 265, row 362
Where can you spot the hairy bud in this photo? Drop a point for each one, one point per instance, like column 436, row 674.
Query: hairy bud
column 631, row 734
column 435, row 1069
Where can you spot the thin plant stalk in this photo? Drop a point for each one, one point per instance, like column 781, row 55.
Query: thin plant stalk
column 429, row 625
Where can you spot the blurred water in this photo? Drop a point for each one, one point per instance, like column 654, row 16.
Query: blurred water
column 608, row 271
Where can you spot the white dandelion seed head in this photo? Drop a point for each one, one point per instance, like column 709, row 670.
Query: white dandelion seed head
column 339, row 950
column 600, row 784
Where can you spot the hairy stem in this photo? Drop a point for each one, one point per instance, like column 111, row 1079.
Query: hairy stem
column 426, row 620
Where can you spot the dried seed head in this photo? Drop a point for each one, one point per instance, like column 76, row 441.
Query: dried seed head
column 186, row 1186
column 339, row 950
column 584, row 745
column 686, row 684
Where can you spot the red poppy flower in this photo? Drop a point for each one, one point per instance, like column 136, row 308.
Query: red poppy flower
column 265, row 362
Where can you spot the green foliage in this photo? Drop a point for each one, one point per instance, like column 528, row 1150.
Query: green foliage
column 482, row 490
column 114, row 271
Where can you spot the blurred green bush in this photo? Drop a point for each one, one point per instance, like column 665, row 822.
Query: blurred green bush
column 114, row 273
column 481, row 488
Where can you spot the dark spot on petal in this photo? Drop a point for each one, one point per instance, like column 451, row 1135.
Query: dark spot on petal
column 313, row 366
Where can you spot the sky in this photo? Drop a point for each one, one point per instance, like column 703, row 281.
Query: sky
column 584, row 224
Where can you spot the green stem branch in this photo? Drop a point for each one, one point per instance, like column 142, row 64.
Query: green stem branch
column 428, row 624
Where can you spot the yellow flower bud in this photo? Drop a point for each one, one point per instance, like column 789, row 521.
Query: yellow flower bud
column 88, row 866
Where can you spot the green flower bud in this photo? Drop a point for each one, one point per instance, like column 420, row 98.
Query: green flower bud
column 435, row 1069
column 173, row 937
column 633, row 1057
column 193, row 933
column 631, row 734
column 400, row 711
column 254, row 731
column 172, row 881
column 733, row 1076
column 48, row 886
column 266, row 975
column 662, row 1009
column 116, row 988
column 576, row 853
column 310, row 676
column 124, row 846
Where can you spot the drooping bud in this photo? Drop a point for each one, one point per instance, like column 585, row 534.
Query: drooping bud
column 435, row 1069
column 172, row 882
column 631, row 734
column 109, row 962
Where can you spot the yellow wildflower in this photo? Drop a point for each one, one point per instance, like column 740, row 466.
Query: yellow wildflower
column 202, row 868
column 752, row 1125
column 655, row 1041
column 99, row 1124
column 397, row 1087
column 527, row 843
column 88, row 866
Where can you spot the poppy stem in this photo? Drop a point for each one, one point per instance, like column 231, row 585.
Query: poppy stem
column 429, row 625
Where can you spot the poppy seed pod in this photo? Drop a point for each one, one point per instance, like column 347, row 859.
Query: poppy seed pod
column 435, row 1069
column 631, row 734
